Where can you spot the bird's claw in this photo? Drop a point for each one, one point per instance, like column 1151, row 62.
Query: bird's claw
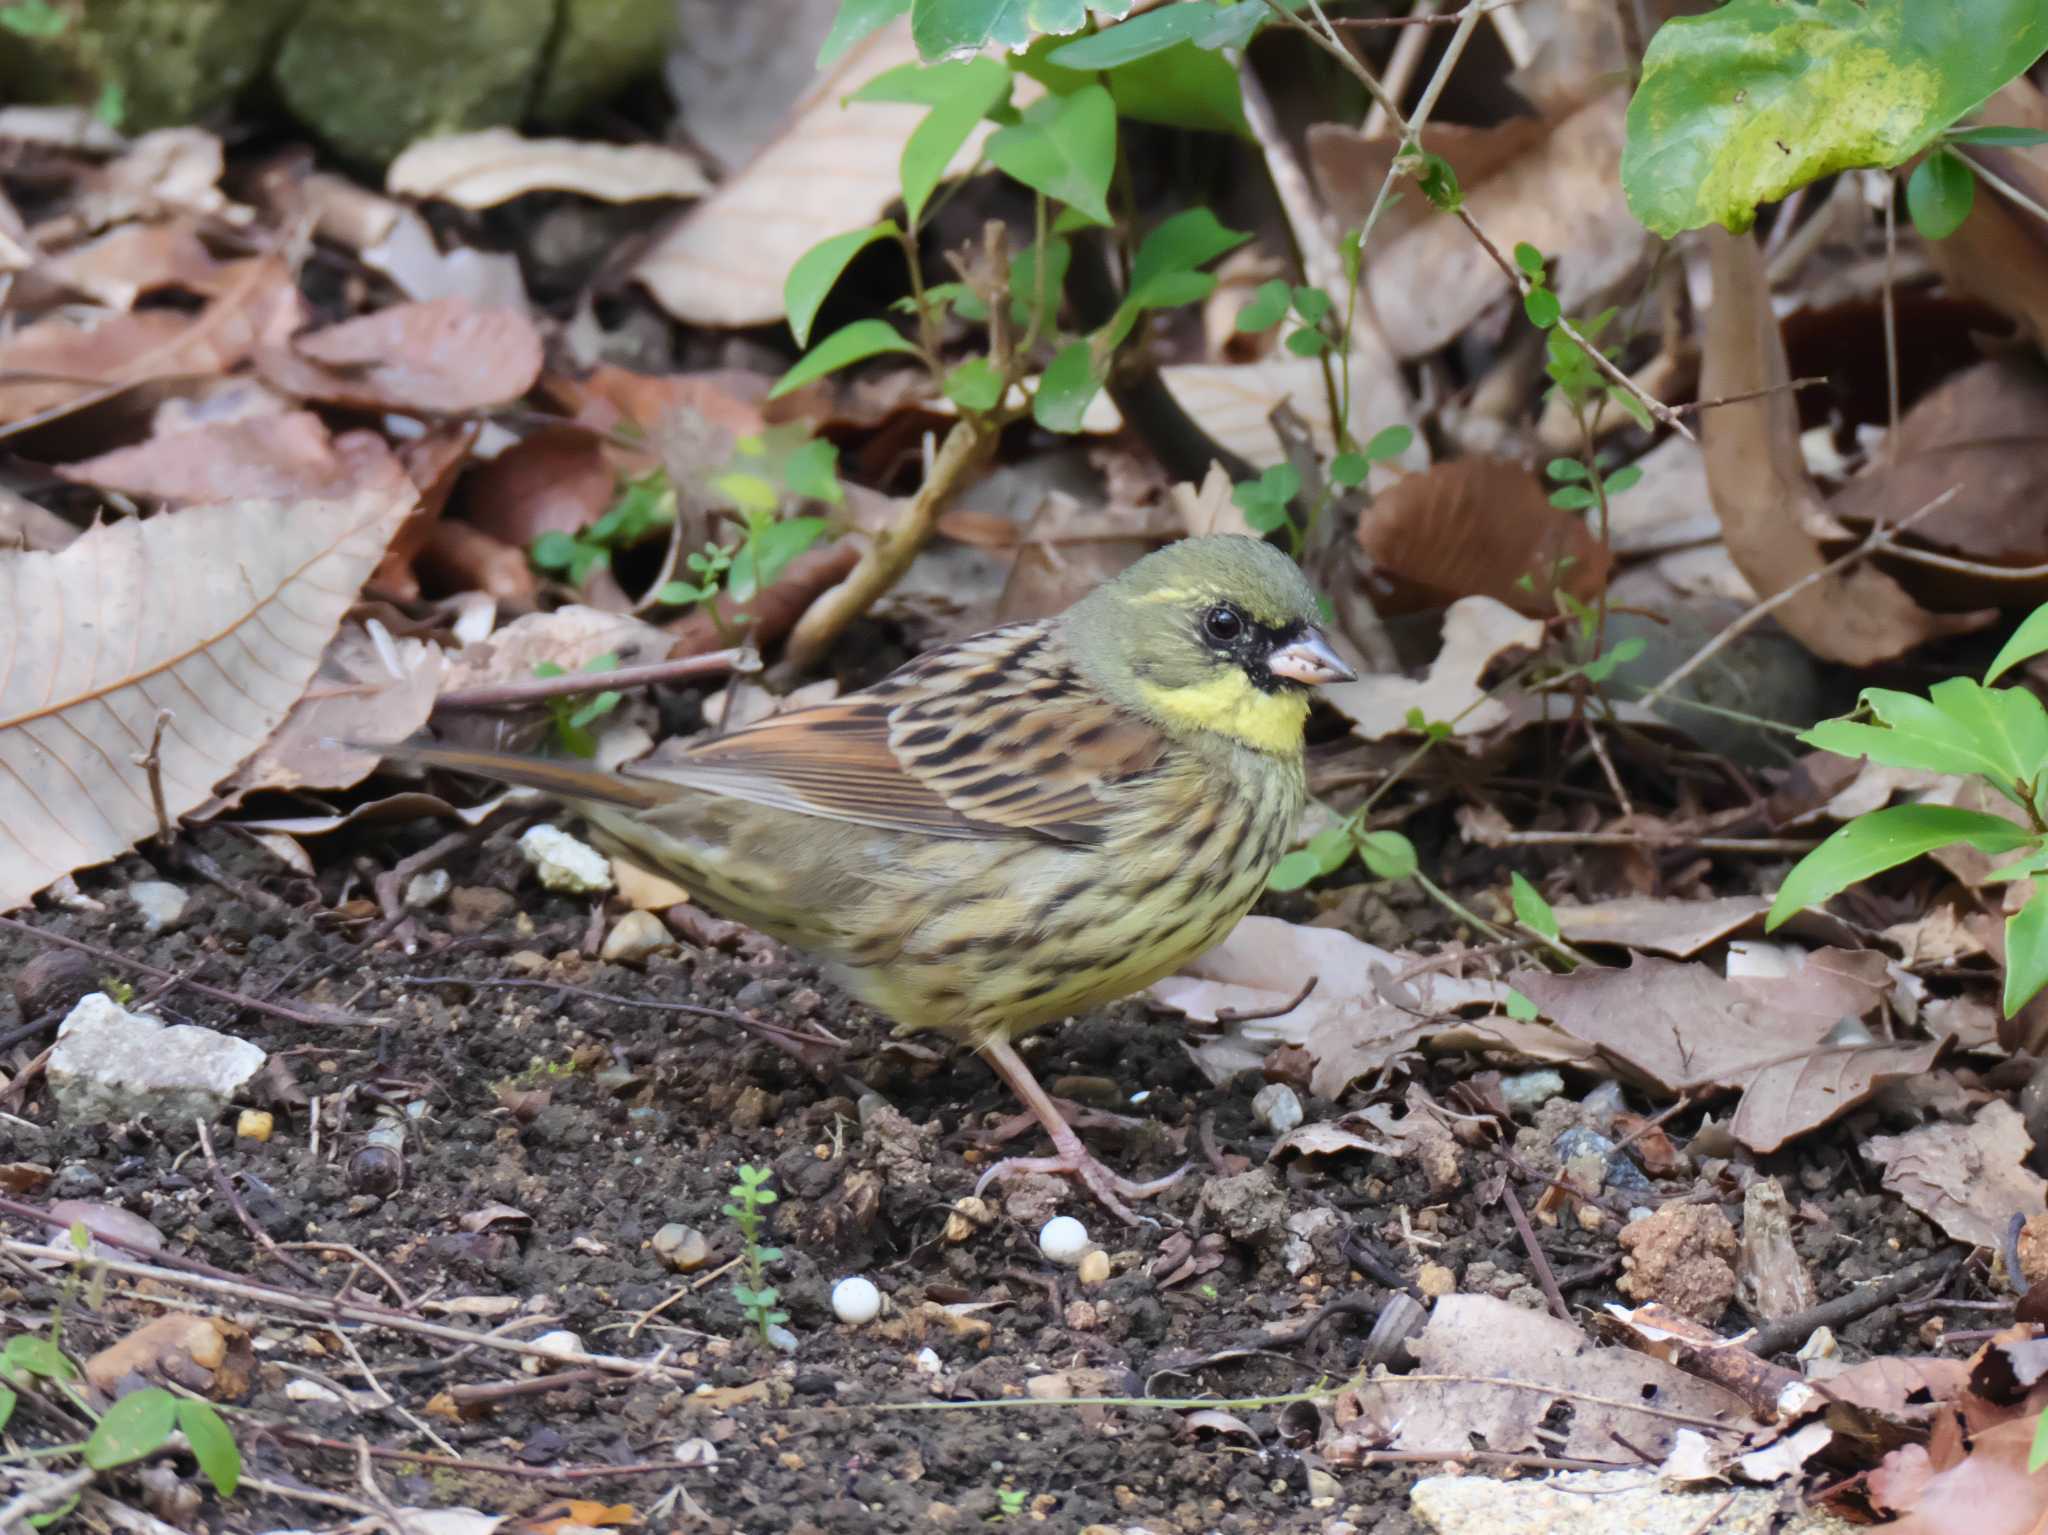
column 1110, row 1188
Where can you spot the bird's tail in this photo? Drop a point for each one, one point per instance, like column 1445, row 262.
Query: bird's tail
column 569, row 779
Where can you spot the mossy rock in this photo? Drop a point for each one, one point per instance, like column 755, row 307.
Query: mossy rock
column 602, row 45
column 371, row 76
column 157, row 63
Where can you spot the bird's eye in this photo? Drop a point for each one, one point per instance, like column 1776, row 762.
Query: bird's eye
column 1222, row 624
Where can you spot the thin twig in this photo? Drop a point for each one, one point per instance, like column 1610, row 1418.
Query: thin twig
column 1891, row 315
column 1762, row 846
column 529, row 690
column 355, row 1254
column 305, row 1016
column 152, row 763
column 226, row 1186
column 1719, row 400
column 1999, row 184
column 1253, row 1015
column 1791, row 1331
column 51, row 1494
column 1538, row 1260
column 1880, row 538
column 1401, row 64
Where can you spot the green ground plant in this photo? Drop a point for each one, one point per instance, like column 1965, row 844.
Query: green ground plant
column 748, row 1211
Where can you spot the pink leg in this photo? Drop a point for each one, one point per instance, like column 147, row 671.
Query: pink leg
column 1073, row 1159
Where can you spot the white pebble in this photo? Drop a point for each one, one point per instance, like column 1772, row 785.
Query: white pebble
column 1277, row 1107
column 856, row 1300
column 1064, row 1240
column 634, row 937
column 161, row 905
column 928, row 1362
column 559, row 1344
column 423, row 890
column 563, row 863
column 781, row 1337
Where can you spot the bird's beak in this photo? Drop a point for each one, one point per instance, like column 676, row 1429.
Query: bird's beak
column 1309, row 660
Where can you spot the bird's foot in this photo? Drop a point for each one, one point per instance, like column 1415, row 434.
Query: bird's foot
column 1076, row 1162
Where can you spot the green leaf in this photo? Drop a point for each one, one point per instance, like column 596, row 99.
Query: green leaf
column 1138, row 38
column 1883, row 839
column 1998, row 136
column 212, row 1445
column 1565, row 470
column 2000, row 734
column 1349, row 469
column 968, row 90
column 133, row 1427
column 1388, row 854
column 1312, row 304
column 33, row 18
column 1530, row 260
column 1531, row 910
column 2037, row 1457
column 2026, row 953
column 1737, row 107
column 1331, row 848
column 1520, row 1008
column 975, row 385
column 1939, row 194
column 1624, row 478
column 856, row 19
column 1542, row 308
column 1600, row 668
column 1306, row 342
column 812, row 472
column 1389, row 442
column 1438, row 179
column 1024, row 286
column 2030, row 639
column 943, row 27
column 819, row 268
column 1069, row 382
column 844, row 347
column 7, row 1401
column 1294, row 871
column 32, row 1354
column 1183, row 243
column 1065, row 147
column 553, row 550
column 1186, row 87
column 1266, row 308
column 781, row 543
column 1572, row 498
column 1264, row 516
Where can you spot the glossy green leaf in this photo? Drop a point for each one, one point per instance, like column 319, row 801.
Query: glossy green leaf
column 1069, row 383
column 1739, row 106
column 1294, row 870
column 856, row 19
column 1266, row 308
column 1181, row 244
column 212, row 1445
column 1438, row 179
column 1065, row 147
column 819, row 268
column 2030, row 639
column 942, row 28
column 133, row 1427
column 972, row 87
column 31, row 1353
column 2000, row 734
column 1520, row 1008
column 1531, row 910
column 1530, row 260
column 975, row 385
column 1542, row 308
column 812, row 472
column 844, row 347
column 1139, row 37
column 1389, row 442
column 1388, row 854
column 2026, row 953
column 1187, row 87
column 1939, row 195
column 1882, row 840
column 1998, row 136
column 1349, row 469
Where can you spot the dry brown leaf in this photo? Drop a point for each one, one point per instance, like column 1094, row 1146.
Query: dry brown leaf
column 1476, row 527
column 1555, row 185
column 281, row 458
column 122, row 265
column 570, row 637
column 831, row 169
column 217, row 614
column 495, row 165
column 1491, row 1373
column 1680, row 928
column 1782, row 1040
column 556, row 480
column 446, row 357
column 2000, row 254
column 25, row 525
column 1477, row 631
column 1970, row 1180
column 1990, row 1491
column 1762, row 494
column 112, row 350
column 207, row 1354
column 1235, row 404
column 455, row 557
column 169, row 171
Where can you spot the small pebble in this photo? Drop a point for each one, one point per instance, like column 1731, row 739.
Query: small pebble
column 967, row 1216
column 928, row 1362
column 1527, row 1091
column 1064, row 1240
column 424, row 890
column 682, row 1248
column 1094, row 1267
column 856, row 1300
column 160, row 904
column 564, row 864
column 1277, row 1107
column 254, row 1125
column 782, row 1338
column 634, row 937
column 560, row 1343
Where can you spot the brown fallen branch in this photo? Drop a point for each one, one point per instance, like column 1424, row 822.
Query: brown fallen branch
column 530, row 690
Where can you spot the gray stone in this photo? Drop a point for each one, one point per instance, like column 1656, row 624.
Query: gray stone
column 111, row 1064
column 1249, row 1207
column 161, row 905
column 1277, row 1107
column 599, row 46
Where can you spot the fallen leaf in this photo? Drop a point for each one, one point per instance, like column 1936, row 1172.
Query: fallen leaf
column 1477, row 632
column 445, row 357
column 168, row 171
column 120, row 266
column 1969, row 1179
column 1998, row 254
column 570, row 637
column 279, row 458
column 206, row 1354
column 74, row 717
column 1990, row 1491
column 557, row 479
column 495, row 165
column 1679, row 928
column 1234, row 404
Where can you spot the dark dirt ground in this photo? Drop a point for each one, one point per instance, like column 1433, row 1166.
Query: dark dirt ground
column 602, row 1121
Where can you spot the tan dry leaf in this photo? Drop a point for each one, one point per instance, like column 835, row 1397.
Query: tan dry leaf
column 1491, row 1373
column 1476, row 527
column 2000, row 253
column 1762, row 493
column 495, row 165
column 557, row 479
column 831, row 169
column 1554, row 185
column 1990, row 1490
column 122, row 265
column 1781, row 1040
column 281, row 458
column 1477, row 631
column 569, row 637
column 218, row 614
column 1678, row 928
column 446, row 357
column 1235, row 404
column 1970, row 1180
column 169, row 171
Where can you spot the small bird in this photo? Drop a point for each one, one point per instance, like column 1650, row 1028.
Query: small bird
column 1010, row 829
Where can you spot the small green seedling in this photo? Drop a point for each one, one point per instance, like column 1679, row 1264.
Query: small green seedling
column 1010, row 1501
column 751, row 1198
column 1998, row 736
column 573, row 717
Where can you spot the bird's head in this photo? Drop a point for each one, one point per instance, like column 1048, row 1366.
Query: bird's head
column 1209, row 635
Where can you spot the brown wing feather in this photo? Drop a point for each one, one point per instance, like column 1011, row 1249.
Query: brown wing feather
column 990, row 737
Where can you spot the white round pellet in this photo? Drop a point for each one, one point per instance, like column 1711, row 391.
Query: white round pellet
column 1064, row 1240
column 856, row 1300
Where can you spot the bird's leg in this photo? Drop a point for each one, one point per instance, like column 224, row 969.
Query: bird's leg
column 1073, row 1160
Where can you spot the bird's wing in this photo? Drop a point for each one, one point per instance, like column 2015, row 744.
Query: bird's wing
column 990, row 737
